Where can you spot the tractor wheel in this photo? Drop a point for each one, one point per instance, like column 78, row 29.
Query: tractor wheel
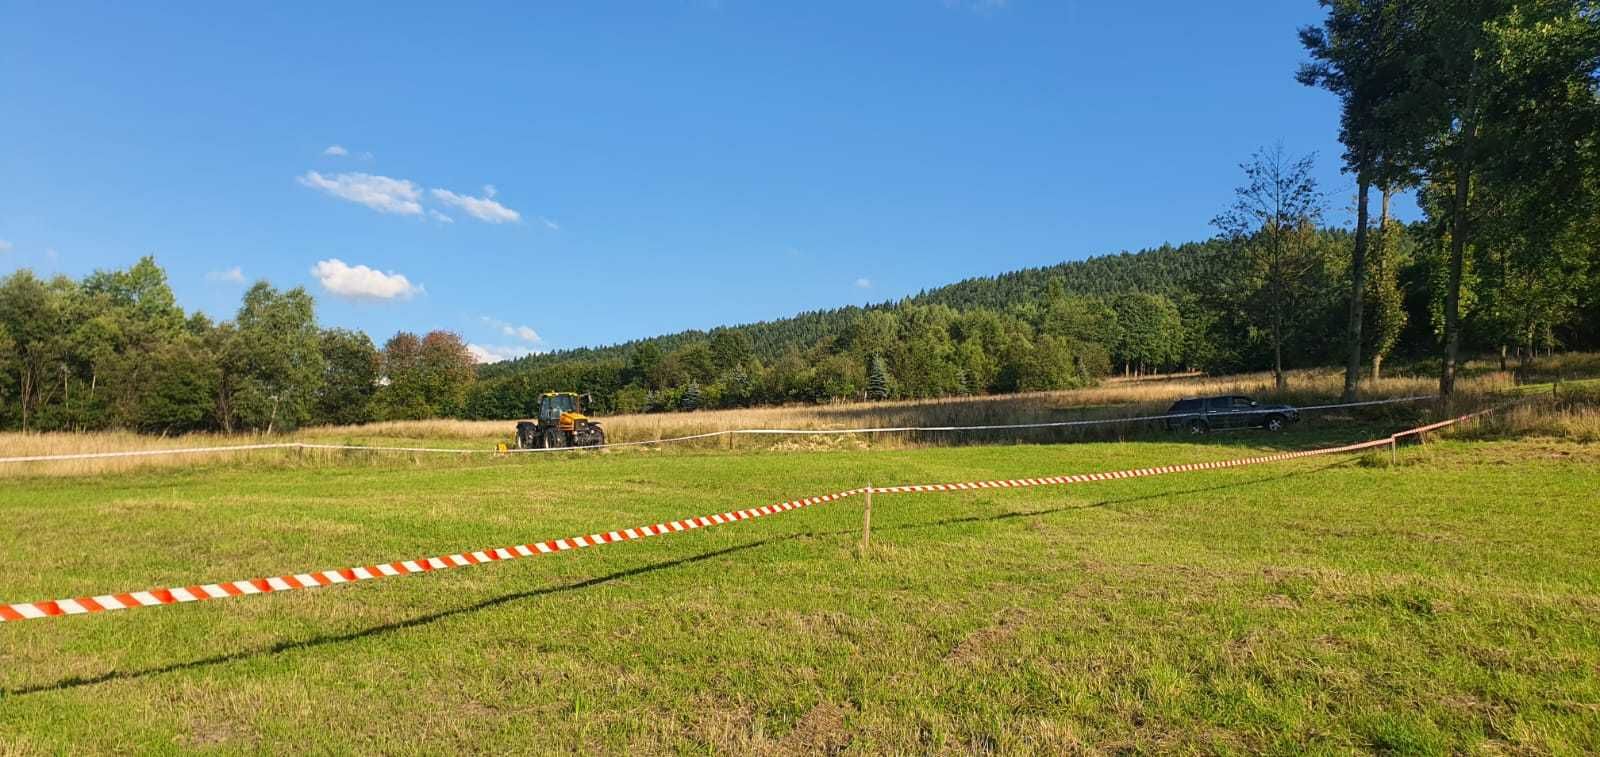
column 554, row 439
column 1198, row 428
column 527, row 438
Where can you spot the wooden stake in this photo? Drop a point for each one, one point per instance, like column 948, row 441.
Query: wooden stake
column 866, row 522
column 1394, row 451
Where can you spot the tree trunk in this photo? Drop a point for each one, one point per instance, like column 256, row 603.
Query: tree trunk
column 1503, row 349
column 1275, row 274
column 1358, row 274
column 1458, row 253
column 1279, row 380
column 1381, row 260
column 27, row 392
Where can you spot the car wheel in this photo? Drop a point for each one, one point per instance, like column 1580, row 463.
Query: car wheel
column 1198, row 428
column 1274, row 423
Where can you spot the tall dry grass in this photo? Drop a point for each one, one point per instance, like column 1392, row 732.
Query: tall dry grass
column 1572, row 412
column 1112, row 400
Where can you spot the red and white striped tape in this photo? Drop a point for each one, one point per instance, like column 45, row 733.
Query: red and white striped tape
column 1085, row 478
column 205, row 592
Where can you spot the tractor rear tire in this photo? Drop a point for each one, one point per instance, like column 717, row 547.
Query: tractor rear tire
column 554, row 439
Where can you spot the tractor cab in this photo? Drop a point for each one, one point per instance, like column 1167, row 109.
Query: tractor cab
column 554, row 405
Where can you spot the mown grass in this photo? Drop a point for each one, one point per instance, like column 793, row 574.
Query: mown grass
column 1450, row 603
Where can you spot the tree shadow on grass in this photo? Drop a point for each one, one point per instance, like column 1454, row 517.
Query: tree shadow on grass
column 284, row 647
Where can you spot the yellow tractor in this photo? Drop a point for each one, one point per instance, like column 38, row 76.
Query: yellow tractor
column 561, row 423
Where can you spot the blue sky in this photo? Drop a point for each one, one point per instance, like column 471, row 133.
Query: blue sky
column 618, row 170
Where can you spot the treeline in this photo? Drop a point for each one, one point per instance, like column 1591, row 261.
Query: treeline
column 114, row 350
column 908, row 350
column 1491, row 111
column 1202, row 306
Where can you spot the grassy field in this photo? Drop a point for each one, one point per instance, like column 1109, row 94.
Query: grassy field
column 1450, row 603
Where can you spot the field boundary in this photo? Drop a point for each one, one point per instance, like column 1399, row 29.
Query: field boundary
column 289, row 582
column 669, row 440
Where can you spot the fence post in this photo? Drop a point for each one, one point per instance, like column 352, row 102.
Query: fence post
column 866, row 521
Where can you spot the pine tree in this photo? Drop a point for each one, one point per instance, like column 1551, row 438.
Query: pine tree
column 963, row 381
column 741, row 387
column 691, row 397
column 877, row 379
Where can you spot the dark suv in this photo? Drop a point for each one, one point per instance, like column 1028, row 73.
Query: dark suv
column 1202, row 415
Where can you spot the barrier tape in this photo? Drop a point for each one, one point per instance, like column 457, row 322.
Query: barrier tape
column 206, row 592
column 669, row 440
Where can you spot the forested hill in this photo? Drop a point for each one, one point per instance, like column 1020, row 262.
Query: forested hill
column 1163, row 270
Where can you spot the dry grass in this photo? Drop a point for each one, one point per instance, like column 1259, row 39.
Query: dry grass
column 1572, row 413
column 1114, row 399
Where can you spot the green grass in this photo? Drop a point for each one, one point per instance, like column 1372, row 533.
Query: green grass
column 1450, row 603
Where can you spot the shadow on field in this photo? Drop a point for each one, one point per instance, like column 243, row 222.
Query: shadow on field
column 429, row 618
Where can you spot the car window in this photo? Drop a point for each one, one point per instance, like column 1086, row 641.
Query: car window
column 1241, row 403
column 1217, row 403
column 1185, row 406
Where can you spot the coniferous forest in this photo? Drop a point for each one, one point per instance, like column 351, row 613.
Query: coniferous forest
column 1487, row 113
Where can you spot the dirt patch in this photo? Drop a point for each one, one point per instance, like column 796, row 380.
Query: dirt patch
column 1279, row 602
column 210, row 733
column 820, row 731
column 724, row 727
column 1005, row 625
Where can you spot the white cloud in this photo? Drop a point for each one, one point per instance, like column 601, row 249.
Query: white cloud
column 549, row 224
column 440, row 217
column 525, row 333
column 5, row 246
column 863, row 283
column 380, row 193
column 362, row 283
column 482, row 208
column 336, row 151
column 231, row 275
column 494, row 353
